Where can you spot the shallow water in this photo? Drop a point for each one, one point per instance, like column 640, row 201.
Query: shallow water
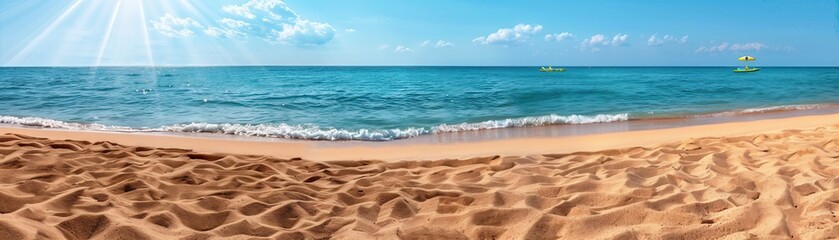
column 384, row 103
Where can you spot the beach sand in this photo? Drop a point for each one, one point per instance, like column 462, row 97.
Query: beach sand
column 733, row 180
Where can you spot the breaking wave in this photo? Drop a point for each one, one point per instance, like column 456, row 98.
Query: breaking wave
column 314, row 132
column 552, row 119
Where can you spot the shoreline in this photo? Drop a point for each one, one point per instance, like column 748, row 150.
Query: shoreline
column 552, row 125
column 407, row 150
column 405, row 66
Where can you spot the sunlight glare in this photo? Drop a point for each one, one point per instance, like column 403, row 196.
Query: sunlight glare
column 146, row 34
column 107, row 34
column 40, row 38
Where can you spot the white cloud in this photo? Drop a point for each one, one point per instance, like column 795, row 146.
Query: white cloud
column 172, row 26
column 559, row 37
column 271, row 20
column 599, row 40
column 305, row 32
column 384, row 46
column 222, row 32
column 479, row 40
column 233, row 23
column 239, row 10
column 438, row 44
column 655, row 41
column 718, row 48
column 747, row 46
column 248, row 9
column 349, row 30
column 509, row 36
column 443, row 44
column 619, row 40
column 276, row 21
column 229, row 28
column 403, row 49
column 725, row 46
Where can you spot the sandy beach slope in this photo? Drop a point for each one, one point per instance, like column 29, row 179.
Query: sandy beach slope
column 778, row 184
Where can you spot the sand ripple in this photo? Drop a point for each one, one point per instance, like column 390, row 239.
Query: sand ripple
column 781, row 185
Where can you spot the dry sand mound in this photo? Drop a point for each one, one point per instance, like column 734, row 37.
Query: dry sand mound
column 779, row 185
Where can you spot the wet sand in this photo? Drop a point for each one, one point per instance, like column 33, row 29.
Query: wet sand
column 445, row 146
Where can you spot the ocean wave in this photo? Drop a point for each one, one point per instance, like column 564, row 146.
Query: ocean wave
column 784, row 108
column 314, row 132
column 49, row 123
column 552, row 119
column 307, row 132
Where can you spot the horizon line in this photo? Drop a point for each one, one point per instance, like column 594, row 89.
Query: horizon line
column 393, row 65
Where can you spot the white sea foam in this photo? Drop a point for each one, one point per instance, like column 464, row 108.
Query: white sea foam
column 312, row 132
column 783, row 108
column 552, row 119
column 49, row 123
column 308, row 132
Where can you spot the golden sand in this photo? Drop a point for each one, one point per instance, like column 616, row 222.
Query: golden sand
column 778, row 184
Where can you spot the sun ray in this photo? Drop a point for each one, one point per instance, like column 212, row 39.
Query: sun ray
column 146, row 35
column 40, row 38
column 80, row 21
column 107, row 34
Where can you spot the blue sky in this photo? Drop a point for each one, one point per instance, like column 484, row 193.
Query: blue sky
column 431, row 32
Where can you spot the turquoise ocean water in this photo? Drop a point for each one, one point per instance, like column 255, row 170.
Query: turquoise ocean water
column 386, row 103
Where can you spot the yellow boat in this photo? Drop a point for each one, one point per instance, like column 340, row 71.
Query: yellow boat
column 747, row 69
column 551, row 69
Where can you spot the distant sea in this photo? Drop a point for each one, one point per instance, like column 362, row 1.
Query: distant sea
column 387, row 103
